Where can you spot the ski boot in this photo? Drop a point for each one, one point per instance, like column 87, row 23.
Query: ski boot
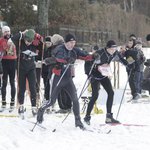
column 34, row 111
column 78, row 123
column 11, row 106
column 40, row 114
column 87, row 119
column 3, row 107
column 110, row 119
column 21, row 111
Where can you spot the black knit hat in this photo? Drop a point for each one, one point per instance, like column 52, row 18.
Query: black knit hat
column 95, row 48
column 132, row 36
column 48, row 39
column 111, row 44
column 148, row 37
column 69, row 37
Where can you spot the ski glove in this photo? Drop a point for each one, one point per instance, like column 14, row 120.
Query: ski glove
column 37, row 39
column 96, row 56
column 70, row 60
column 50, row 61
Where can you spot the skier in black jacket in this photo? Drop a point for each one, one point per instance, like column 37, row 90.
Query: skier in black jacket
column 62, row 78
column 100, row 75
column 45, row 68
column 27, row 44
column 135, row 57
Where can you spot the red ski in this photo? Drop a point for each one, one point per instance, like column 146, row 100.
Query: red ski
column 125, row 124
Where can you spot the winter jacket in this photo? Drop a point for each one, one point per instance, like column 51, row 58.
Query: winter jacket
column 65, row 57
column 106, row 58
column 26, row 62
column 141, row 60
column 138, row 58
column 45, row 68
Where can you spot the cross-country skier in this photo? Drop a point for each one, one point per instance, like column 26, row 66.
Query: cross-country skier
column 101, row 75
column 61, row 78
column 9, row 67
column 27, row 44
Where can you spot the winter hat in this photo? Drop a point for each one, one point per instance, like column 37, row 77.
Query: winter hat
column 5, row 28
column 147, row 63
column 95, row 48
column 57, row 39
column 48, row 39
column 69, row 37
column 148, row 37
column 111, row 44
column 132, row 36
column 29, row 35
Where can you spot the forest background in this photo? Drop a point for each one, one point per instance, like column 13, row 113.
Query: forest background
column 92, row 21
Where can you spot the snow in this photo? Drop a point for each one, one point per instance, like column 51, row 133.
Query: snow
column 15, row 134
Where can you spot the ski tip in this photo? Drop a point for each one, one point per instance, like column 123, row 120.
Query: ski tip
column 31, row 130
column 54, row 130
column 108, row 132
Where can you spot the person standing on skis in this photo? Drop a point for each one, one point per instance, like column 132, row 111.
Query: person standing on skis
column 27, row 44
column 101, row 75
column 9, row 67
column 61, row 78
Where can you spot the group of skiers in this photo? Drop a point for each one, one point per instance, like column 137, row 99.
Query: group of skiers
column 53, row 59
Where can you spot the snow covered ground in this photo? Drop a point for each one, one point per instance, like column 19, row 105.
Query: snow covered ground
column 15, row 133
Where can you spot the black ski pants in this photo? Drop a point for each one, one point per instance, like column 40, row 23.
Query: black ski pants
column 67, row 84
column 9, row 71
column 30, row 75
column 106, row 83
column 135, row 80
column 46, row 86
column 38, row 79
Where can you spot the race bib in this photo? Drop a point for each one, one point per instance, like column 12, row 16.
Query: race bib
column 105, row 70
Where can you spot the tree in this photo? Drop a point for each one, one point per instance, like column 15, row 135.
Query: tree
column 43, row 6
column 18, row 12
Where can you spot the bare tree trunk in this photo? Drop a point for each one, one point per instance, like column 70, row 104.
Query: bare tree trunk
column 43, row 6
column 125, row 5
column 132, row 5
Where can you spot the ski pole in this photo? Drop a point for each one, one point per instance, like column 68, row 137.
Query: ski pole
column 88, row 78
column 38, row 84
column 58, row 82
column 34, row 126
column 123, row 94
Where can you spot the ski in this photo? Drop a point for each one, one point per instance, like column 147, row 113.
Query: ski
column 37, row 124
column 6, row 109
column 125, row 124
column 22, row 116
column 140, row 100
column 10, row 110
column 93, row 130
column 98, row 130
